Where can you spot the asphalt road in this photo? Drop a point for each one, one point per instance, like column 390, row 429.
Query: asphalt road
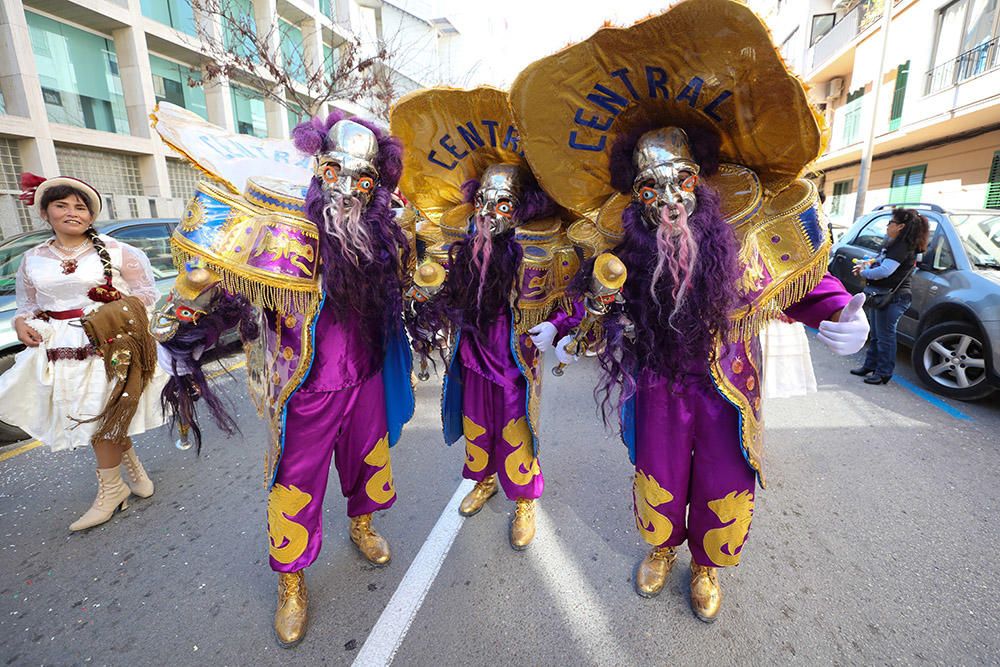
column 876, row 542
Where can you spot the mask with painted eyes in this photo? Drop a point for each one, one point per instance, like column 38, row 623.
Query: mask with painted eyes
column 498, row 197
column 667, row 175
column 348, row 168
column 187, row 303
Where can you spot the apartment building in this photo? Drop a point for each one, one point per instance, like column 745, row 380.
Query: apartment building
column 78, row 79
column 937, row 129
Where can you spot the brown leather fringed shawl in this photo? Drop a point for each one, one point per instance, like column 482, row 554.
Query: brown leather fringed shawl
column 120, row 332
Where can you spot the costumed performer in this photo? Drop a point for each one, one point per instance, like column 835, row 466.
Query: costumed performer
column 331, row 366
column 718, row 236
column 503, row 301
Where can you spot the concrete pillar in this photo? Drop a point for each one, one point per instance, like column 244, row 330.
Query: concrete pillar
column 140, row 98
column 218, row 96
column 22, row 89
column 266, row 15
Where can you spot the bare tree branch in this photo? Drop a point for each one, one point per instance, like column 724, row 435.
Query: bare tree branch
column 267, row 59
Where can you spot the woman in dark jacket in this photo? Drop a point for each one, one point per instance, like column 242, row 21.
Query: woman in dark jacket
column 905, row 238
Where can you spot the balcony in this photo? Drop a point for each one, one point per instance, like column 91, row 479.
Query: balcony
column 972, row 63
column 839, row 36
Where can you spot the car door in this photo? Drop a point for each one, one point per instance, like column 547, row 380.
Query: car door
column 864, row 245
column 929, row 279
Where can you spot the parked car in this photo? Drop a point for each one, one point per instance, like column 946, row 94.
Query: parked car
column 152, row 236
column 953, row 324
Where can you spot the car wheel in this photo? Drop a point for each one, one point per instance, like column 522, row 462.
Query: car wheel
column 8, row 433
column 950, row 358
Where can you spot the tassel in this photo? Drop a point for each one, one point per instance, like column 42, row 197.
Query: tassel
column 29, row 184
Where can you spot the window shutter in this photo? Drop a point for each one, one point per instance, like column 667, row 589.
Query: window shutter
column 993, row 183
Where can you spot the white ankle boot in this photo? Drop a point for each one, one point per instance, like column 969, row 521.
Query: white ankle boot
column 111, row 494
column 138, row 481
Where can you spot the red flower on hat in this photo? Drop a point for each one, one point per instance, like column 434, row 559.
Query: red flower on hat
column 30, row 183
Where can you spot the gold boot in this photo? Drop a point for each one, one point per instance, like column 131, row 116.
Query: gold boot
column 138, row 481
column 293, row 613
column 371, row 545
column 706, row 595
column 111, row 494
column 522, row 528
column 476, row 499
column 653, row 571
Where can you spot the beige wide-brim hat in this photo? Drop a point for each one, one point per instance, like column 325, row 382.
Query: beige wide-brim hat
column 91, row 193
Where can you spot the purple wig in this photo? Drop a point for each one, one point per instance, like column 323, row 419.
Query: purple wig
column 474, row 299
column 669, row 343
column 181, row 391
column 371, row 289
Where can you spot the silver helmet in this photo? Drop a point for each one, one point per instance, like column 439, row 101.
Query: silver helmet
column 667, row 174
column 499, row 196
column 348, row 167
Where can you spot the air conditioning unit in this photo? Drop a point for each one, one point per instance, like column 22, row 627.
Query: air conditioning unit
column 834, row 88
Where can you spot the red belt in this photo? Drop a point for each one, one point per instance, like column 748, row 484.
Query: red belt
column 64, row 314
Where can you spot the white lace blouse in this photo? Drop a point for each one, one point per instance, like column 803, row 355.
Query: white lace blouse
column 41, row 284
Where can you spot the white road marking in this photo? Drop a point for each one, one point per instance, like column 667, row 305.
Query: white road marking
column 579, row 602
column 385, row 638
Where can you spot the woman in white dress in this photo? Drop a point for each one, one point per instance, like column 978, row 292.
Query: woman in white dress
column 59, row 383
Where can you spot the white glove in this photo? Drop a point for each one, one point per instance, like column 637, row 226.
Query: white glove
column 561, row 354
column 542, row 335
column 849, row 334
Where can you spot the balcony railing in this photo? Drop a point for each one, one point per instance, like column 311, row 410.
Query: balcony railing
column 972, row 63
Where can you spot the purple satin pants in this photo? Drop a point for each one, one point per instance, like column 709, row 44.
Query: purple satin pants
column 349, row 426
column 497, row 437
column 689, row 465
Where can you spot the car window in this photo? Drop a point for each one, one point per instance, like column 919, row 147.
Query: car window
column 154, row 241
column 939, row 255
column 11, row 254
column 980, row 234
column 873, row 233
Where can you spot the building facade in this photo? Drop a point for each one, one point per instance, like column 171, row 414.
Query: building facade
column 937, row 128
column 78, row 79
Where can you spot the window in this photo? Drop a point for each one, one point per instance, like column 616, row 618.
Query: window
column 906, row 185
column 154, row 242
column 896, row 113
column 993, row 184
column 111, row 173
column 170, row 83
column 78, row 72
column 966, row 43
column 852, row 117
column 242, row 22
column 821, row 24
column 873, row 234
column 295, row 116
column 329, row 62
column 248, row 111
column 183, row 178
column 938, row 256
column 292, row 51
column 841, row 190
column 175, row 13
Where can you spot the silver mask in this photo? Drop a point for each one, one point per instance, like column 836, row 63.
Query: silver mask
column 667, row 174
column 499, row 196
column 348, row 167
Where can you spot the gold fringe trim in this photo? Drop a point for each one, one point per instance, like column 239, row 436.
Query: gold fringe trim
column 792, row 290
column 534, row 315
column 261, row 294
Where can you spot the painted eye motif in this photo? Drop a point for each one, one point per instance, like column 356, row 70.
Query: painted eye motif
column 647, row 194
column 689, row 183
column 329, row 174
column 505, row 208
column 365, row 184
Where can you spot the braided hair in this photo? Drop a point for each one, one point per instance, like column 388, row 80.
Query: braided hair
column 105, row 292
